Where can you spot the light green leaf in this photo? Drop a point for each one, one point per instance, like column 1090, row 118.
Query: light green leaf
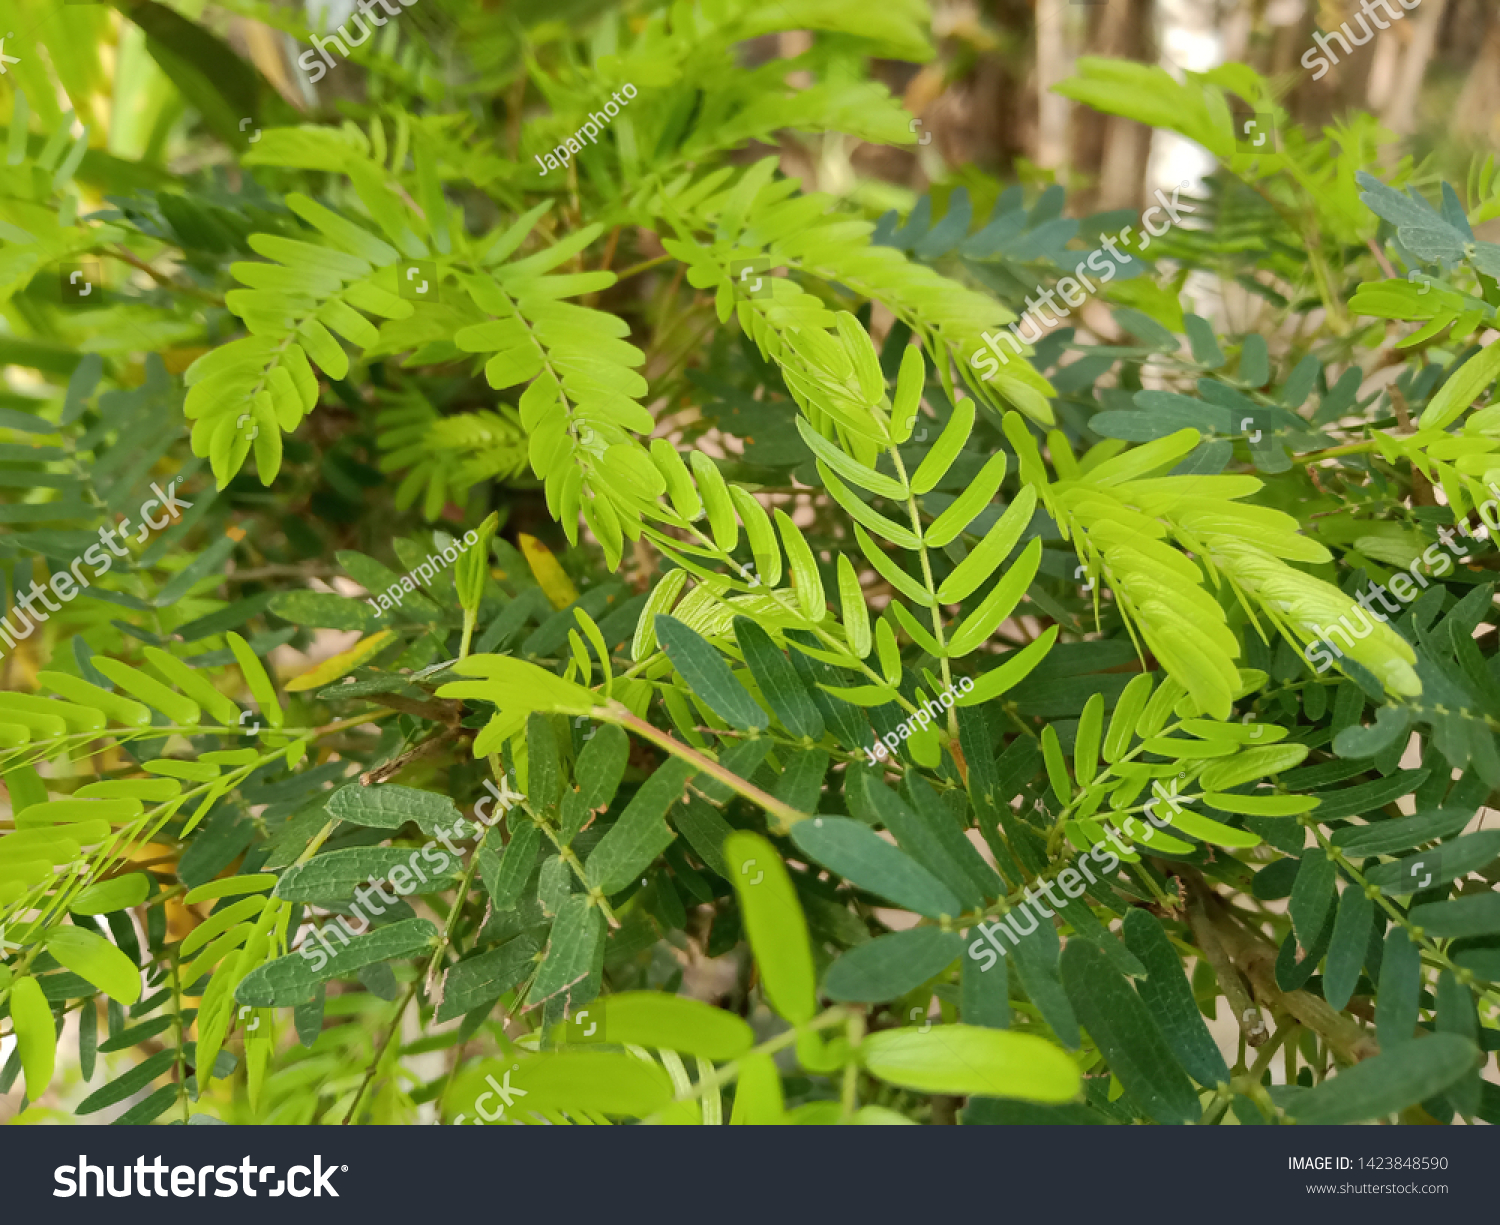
column 121, row 893
column 774, row 924
column 852, row 604
column 583, row 1082
column 1250, row 765
column 850, row 469
column 946, row 527
column 991, row 551
column 36, row 1036
column 518, row 687
column 939, row 459
column 805, row 577
column 1462, row 388
column 999, row 604
column 91, row 956
column 971, row 1060
column 673, row 1023
column 1016, row 667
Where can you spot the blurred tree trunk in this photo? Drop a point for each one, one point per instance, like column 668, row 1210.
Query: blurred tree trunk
column 1052, row 69
column 1401, row 114
column 1477, row 113
column 1107, row 146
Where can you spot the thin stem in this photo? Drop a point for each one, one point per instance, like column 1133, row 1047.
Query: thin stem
column 724, row 1075
column 937, row 617
column 643, row 266
column 1351, row 448
column 850, row 1097
column 385, row 1043
column 786, row 815
column 471, row 616
column 182, row 1097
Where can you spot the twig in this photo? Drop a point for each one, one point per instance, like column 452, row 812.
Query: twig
column 166, row 282
column 643, row 266
column 1254, row 956
column 1380, row 258
column 786, row 815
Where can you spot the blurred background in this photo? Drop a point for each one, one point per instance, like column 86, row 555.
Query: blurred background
column 984, row 109
column 1433, row 75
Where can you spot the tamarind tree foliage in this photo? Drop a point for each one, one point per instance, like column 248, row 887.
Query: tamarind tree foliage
column 728, row 506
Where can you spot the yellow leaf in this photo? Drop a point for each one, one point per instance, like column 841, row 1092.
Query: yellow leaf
column 336, row 666
column 556, row 586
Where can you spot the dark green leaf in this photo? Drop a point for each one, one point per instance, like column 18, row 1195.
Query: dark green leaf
column 1456, row 1015
column 1166, row 993
column 321, row 610
column 601, row 765
column 387, row 806
column 293, row 979
column 1129, row 1038
column 504, row 868
column 891, row 965
column 705, row 831
column 151, row 1107
column 1387, row 837
column 708, row 676
column 641, row 833
column 1312, row 895
column 918, row 840
column 1476, row 915
column 984, row 991
column 779, row 683
column 1036, row 960
column 576, row 936
column 334, row 875
column 1453, row 859
column 1400, row 990
column 544, row 769
column 482, row 980
column 129, row 1083
column 1346, row 950
column 856, row 853
column 1389, row 1082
